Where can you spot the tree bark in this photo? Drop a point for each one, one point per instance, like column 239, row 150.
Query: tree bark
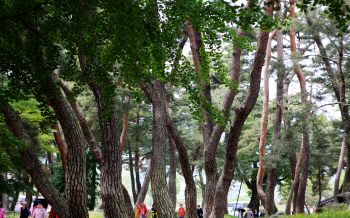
column 126, row 123
column 14, row 201
column 264, row 121
column 302, row 81
column 143, row 191
column 191, row 193
column 254, row 199
column 241, row 114
column 160, row 192
column 295, row 180
column 137, row 158
column 32, row 163
column 339, row 169
column 202, row 185
column 131, row 168
column 61, row 146
column 207, row 126
column 76, row 149
column 82, row 121
column 5, row 197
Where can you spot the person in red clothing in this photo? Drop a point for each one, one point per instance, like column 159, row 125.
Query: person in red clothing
column 143, row 211
column 52, row 214
column 181, row 212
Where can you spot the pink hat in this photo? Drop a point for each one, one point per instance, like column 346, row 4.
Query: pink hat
column 137, row 205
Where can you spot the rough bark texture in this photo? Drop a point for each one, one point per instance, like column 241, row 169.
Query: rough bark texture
column 208, row 124
column 76, row 149
column 125, row 122
column 5, row 197
column 300, row 201
column 160, row 192
column 137, row 158
column 61, row 146
column 143, row 191
column 190, row 193
column 32, row 163
column 172, row 156
column 131, row 169
column 295, row 180
column 241, row 114
column 82, row 121
column 264, row 122
column 339, row 169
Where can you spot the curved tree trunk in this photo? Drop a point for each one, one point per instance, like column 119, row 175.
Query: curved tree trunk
column 131, row 168
column 190, row 192
column 295, row 180
column 264, row 121
column 146, row 179
column 302, row 81
column 137, row 158
column 241, row 114
column 160, row 192
column 32, row 163
column 61, row 146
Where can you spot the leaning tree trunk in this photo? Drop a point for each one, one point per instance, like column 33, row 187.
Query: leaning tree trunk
column 32, row 163
column 76, row 149
column 111, row 182
column 131, row 168
column 265, row 199
column 302, row 81
column 146, row 179
column 241, row 114
column 190, row 192
column 160, row 192
column 137, row 143
column 295, row 180
column 61, row 146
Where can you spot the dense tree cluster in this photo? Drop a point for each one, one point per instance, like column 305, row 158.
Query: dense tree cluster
column 94, row 86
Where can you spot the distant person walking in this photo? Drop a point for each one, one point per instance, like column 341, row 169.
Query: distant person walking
column 240, row 213
column 181, row 212
column 250, row 214
column 137, row 211
column 39, row 212
column 262, row 214
column 256, row 213
column 25, row 212
column 2, row 213
column 199, row 211
column 154, row 211
column 143, row 211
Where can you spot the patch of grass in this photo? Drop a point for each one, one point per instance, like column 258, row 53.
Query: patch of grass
column 326, row 214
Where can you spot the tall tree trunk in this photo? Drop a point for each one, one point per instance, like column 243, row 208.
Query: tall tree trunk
column 61, row 146
column 131, row 168
column 29, row 195
column 172, row 156
column 125, row 122
column 202, row 185
column 32, row 163
column 160, row 192
column 267, row 202
column 295, row 180
column 254, row 199
column 302, row 81
column 93, row 184
column 14, row 201
column 5, row 197
column 146, row 179
column 137, row 158
column 191, row 193
column 207, row 126
column 339, row 169
column 76, row 150
column 82, row 121
column 241, row 114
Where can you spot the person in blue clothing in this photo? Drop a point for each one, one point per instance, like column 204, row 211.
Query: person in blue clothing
column 25, row 212
column 199, row 211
